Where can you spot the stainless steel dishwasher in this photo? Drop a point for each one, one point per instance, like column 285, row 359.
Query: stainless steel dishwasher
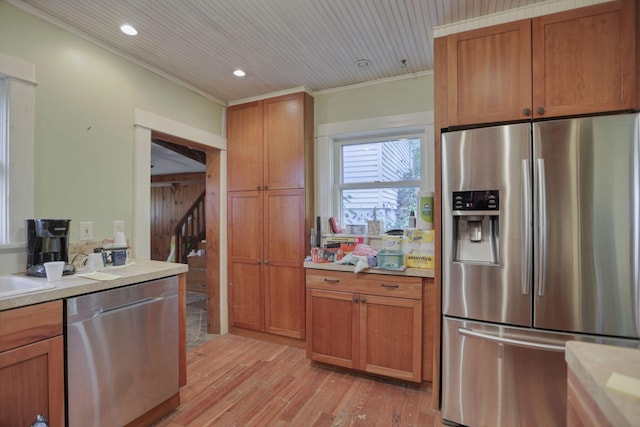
column 122, row 352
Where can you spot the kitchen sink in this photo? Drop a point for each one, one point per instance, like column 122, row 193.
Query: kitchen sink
column 15, row 285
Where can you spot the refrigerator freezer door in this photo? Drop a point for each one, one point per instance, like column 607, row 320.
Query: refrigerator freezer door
column 490, row 282
column 587, row 232
column 490, row 383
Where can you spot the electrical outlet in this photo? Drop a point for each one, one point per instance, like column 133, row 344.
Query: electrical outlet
column 118, row 227
column 86, row 231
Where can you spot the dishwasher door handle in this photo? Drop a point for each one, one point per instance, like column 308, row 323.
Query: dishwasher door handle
column 126, row 306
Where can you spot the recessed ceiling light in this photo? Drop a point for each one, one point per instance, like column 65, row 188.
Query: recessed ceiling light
column 362, row 63
column 129, row 30
column 239, row 73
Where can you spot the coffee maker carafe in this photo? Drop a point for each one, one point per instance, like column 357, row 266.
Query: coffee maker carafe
column 47, row 240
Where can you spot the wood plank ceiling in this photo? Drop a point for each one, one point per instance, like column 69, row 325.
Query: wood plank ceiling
column 281, row 44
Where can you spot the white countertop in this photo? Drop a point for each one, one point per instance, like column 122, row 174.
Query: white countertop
column 72, row 285
column 414, row 272
column 593, row 364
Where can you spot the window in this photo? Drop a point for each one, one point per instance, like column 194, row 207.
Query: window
column 17, row 154
column 378, row 178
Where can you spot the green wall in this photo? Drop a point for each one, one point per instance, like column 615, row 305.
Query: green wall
column 85, row 101
column 386, row 98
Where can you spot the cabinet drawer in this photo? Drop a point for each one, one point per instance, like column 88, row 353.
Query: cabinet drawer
column 372, row 284
column 25, row 325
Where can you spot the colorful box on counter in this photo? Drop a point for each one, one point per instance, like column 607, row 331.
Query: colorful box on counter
column 418, row 260
column 419, row 248
column 346, row 244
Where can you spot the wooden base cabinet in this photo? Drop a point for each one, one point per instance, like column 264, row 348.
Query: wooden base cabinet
column 266, row 286
column 367, row 322
column 32, row 365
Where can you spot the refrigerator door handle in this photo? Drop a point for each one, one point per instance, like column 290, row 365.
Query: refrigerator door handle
column 526, row 227
column 542, row 228
column 510, row 341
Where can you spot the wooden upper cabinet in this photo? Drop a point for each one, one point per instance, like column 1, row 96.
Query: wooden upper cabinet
column 489, row 74
column 244, row 150
column 584, row 60
column 580, row 61
column 284, row 148
column 267, row 142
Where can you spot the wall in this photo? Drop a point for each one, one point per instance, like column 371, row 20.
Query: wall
column 382, row 98
column 389, row 103
column 84, row 133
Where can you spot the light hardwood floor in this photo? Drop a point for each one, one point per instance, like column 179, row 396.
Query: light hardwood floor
column 238, row 381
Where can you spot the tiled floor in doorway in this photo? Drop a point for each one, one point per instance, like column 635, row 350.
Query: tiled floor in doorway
column 197, row 320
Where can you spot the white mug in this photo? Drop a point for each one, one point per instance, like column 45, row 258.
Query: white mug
column 95, row 262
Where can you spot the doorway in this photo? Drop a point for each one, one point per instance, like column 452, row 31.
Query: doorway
column 148, row 126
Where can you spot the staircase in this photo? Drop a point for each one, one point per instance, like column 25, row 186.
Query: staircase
column 190, row 230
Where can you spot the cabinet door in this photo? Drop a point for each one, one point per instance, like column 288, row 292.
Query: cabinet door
column 246, row 291
column 32, row 383
column 284, row 245
column 284, row 141
column 245, row 148
column 489, row 74
column 333, row 327
column 584, row 60
column 391, row 337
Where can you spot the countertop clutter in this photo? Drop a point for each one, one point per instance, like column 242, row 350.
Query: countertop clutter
column 134, row 272
column 592, row 366
column 413, row 272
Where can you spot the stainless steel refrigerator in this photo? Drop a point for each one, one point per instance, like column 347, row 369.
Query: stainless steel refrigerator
column 541, row 244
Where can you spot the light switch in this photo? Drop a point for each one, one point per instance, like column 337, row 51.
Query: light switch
column 86, row 230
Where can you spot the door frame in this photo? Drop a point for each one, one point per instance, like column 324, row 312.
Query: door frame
column 146, row 124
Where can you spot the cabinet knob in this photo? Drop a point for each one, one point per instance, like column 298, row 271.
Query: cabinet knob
column 266, row 261
column 540, row 110
column 259, row 261
column 362, row 300
column 258, row 187
column 266, row 187
column 526, row 112
column 354, row 299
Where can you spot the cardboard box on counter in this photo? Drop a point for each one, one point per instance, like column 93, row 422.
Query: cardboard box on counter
column 418, row 260
column 346, row 243
column 419, row 248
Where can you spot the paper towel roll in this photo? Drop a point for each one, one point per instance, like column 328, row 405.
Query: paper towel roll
column 425, row 208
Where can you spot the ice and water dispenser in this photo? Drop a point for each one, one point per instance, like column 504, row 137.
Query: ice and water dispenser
column 476, row 226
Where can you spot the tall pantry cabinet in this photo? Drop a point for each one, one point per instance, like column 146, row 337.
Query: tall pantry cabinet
column 270, row 212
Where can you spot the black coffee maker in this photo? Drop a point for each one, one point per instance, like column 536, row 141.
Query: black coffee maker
column 47, row 240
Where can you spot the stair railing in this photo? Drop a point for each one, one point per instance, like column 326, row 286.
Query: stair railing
column 190, row 230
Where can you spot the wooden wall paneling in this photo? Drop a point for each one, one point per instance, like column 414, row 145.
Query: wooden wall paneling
column 212, row 250
column 171, row 195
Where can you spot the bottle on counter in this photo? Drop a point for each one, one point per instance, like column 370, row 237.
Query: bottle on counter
column 412, row 219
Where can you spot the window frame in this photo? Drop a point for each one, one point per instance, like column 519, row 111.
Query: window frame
column 421, row 123
column 18, row 149
column 383, row 136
